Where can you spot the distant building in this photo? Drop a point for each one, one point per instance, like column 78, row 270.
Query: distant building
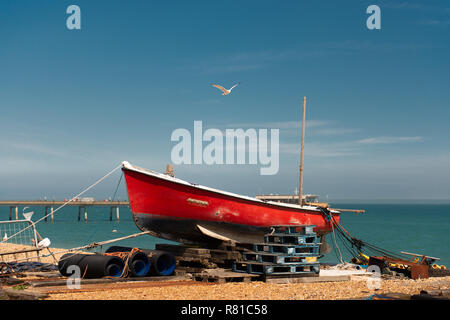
column 306, row 198
column 87, row 199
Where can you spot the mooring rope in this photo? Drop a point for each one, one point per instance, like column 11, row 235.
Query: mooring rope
column 104, row 214
column 125, row 256
column 357, row 245
column 64, row 204
column 336, row 245
column 85, row 247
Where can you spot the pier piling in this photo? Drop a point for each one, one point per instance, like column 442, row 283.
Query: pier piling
column 111, row 212
column 16, row 210
column 85, row 213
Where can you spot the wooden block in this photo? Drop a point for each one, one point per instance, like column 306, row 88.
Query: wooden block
column 189, row 269
column 222, row 276
column 14, row 294
column 106, row 280
column 179, row 249
column 306, row 279
column 10, row 281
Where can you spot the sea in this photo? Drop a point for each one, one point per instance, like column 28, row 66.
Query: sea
column 415, row 228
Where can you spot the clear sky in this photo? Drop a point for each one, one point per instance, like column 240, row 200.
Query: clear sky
column 75, row 103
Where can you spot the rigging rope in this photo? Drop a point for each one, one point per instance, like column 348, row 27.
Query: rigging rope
column 357, row 246
column 112, row 200
column 65, row 203
column 87, row 247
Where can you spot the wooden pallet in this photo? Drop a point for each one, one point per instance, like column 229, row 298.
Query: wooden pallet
column 182, row 250
column 222, row 256
column 223, row 276
column 190, row 258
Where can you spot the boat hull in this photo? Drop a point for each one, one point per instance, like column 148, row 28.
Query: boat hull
column 179, row 211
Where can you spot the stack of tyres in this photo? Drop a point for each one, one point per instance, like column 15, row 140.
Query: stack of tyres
column 137, row 262
column 288, row 250
column 160, row 263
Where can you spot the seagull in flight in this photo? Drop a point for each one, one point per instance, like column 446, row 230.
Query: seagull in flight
column 225, row 91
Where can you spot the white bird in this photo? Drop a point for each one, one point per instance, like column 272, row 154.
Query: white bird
column 225, row 91
column 5, row 237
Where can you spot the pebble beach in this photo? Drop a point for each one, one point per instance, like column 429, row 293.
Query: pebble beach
column 358, row 287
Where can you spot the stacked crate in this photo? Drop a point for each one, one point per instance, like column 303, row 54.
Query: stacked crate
column 287, row 251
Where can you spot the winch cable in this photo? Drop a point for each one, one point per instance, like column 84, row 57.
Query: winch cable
column 64, row 204
column 357, row 246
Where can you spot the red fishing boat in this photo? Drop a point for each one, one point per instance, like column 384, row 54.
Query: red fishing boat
column 185, row 212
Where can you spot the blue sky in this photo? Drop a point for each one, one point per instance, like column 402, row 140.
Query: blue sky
column 75, row 103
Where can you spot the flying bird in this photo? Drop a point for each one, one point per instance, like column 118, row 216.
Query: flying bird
column 225, row 91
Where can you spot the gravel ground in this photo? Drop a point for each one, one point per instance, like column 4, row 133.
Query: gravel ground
column 358, row 287
column 262, row 291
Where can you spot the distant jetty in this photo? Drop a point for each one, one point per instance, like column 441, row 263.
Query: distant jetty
column 82, row 203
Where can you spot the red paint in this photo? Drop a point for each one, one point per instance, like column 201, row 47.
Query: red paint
column 152, row 195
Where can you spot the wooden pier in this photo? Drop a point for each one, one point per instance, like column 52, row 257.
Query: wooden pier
column 51, row 205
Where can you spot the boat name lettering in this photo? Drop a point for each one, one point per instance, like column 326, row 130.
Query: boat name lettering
column 199, row 202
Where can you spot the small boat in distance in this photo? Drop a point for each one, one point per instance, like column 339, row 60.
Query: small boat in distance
column 177, row 210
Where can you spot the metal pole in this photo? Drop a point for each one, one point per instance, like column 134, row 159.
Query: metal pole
column 300, row 189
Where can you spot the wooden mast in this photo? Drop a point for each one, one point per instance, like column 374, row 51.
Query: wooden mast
column 300, row 188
